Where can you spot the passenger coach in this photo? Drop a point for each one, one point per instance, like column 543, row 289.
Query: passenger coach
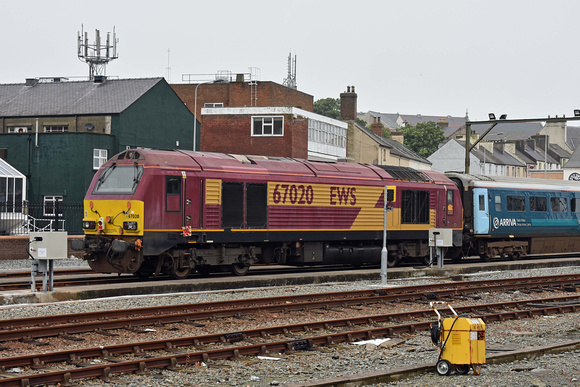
column 151, row 212
column 512, row 217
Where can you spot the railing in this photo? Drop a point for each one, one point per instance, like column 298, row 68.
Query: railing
column 22, row 218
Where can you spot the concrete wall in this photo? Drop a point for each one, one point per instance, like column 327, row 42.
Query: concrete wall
column 14, row 247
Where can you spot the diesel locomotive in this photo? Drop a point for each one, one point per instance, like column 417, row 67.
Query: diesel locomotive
column 151, row 212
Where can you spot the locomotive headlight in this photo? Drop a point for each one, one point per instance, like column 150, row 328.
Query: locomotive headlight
column 132, row 226
column 89, row 224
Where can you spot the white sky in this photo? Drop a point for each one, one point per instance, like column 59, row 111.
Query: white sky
column 424, row 56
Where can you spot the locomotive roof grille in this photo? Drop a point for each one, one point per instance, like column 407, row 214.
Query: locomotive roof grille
column 404, row 173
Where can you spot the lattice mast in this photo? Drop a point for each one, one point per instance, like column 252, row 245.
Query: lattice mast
column 290, row 81
column 97, row 55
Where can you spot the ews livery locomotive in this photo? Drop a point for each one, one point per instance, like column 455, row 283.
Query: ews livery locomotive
column 150, row 212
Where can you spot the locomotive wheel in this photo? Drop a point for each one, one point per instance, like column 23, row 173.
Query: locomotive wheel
column 393, row 261
column 514, row 256
column 485, row 257
column 143, row 274
column 461, row 369
column 180, row 273
column 443, row 367
column 239, row 268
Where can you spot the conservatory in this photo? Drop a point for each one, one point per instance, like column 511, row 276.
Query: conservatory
column 12, row 199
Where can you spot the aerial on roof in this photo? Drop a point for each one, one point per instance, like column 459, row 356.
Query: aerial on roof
column 72, row 98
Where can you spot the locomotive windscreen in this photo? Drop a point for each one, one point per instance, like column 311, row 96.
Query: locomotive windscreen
column 119, row 180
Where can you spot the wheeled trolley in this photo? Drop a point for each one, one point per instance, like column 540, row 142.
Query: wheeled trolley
column 461, row 342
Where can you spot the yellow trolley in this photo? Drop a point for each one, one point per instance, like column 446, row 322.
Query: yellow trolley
column 461, row 342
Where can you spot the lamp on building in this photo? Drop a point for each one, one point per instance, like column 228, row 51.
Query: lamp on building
column 576, row 112
column 491, row 116
column 503, row 117
column 195, row 106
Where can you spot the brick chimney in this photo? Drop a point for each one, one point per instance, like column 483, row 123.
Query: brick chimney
column 377, row 127
column 348, row 104
column 398, row 136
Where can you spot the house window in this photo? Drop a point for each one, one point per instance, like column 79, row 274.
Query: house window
column 55, row 128
column 19, row 129
column 213, row 104
column 267, row 126
column 52, row 205
column 99, row 158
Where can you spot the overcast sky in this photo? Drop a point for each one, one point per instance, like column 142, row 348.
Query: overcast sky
column 430, row 57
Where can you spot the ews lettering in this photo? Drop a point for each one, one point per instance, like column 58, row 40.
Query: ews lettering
column 342, row 196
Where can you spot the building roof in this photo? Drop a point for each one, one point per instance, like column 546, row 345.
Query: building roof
column 453, row 122
column 574, row 161
column 396, row 147
column 558, row 150
column 72, row 98
column 510, row 130
column 572, row 137
column 387, row 119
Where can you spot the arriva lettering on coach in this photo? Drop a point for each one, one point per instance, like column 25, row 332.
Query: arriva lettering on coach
column 504, row 222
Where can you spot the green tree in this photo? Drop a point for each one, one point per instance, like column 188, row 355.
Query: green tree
column 361, row 122
column 424, row 138
column 329, row 107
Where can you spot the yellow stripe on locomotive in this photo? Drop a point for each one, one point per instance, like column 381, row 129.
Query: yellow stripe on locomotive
column 113, row 217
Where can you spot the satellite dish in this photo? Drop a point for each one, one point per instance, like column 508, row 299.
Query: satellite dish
column 89, row 126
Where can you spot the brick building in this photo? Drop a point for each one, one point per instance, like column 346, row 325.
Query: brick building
column 261, row 118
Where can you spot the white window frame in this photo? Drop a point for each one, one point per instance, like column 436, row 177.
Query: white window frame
column 213, row 104
column 19, row 129
column 267, row 122
column 51, row 199
column 100, row 156
column 55, row 128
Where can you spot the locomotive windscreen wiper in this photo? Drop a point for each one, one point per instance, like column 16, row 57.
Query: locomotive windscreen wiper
column 105, row 174
column 136, row 176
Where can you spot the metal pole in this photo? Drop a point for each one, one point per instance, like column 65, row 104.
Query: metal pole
column 384, row 252
column 545, row 156
column 195, row 112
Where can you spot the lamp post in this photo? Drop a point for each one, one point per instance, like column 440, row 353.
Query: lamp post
column 503, row 119
column 485, row 151
column 546, row 156
column 195, row 106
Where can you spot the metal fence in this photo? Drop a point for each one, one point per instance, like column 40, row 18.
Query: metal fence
column 22, row 218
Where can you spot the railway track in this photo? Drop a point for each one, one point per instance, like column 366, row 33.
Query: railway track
column 174, row 353
column 69, row 324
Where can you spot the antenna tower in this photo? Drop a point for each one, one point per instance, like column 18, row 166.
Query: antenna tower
column 97, row 55
column 290, row 81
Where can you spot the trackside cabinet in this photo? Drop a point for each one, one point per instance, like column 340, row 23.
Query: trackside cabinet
column 461, row 341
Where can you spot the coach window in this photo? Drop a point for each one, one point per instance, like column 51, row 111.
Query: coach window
column 516, row 203
column 538, row 203
column 575, row 205
column 232, row 205
column 173, row 193
column 559, row 204
column 498, row 203
column 415, row 207
column 481, row 202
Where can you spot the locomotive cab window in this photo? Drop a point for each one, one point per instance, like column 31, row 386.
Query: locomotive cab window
column 538, row 203
column 118, row 180
column 558, row 204
column 450, row 203
column 516, row 203
column 415, row 207
column 173, row 193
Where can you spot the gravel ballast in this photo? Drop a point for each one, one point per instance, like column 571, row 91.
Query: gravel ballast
column 349, row 359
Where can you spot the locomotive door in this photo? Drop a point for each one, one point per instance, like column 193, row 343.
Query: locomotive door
column 480, row 211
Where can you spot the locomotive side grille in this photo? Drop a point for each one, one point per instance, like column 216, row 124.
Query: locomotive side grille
column 404, row 173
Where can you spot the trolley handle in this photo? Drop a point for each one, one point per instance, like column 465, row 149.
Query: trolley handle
column 444, row 303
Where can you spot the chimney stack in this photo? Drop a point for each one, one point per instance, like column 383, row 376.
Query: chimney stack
column 348, row 104
column 377, row 127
